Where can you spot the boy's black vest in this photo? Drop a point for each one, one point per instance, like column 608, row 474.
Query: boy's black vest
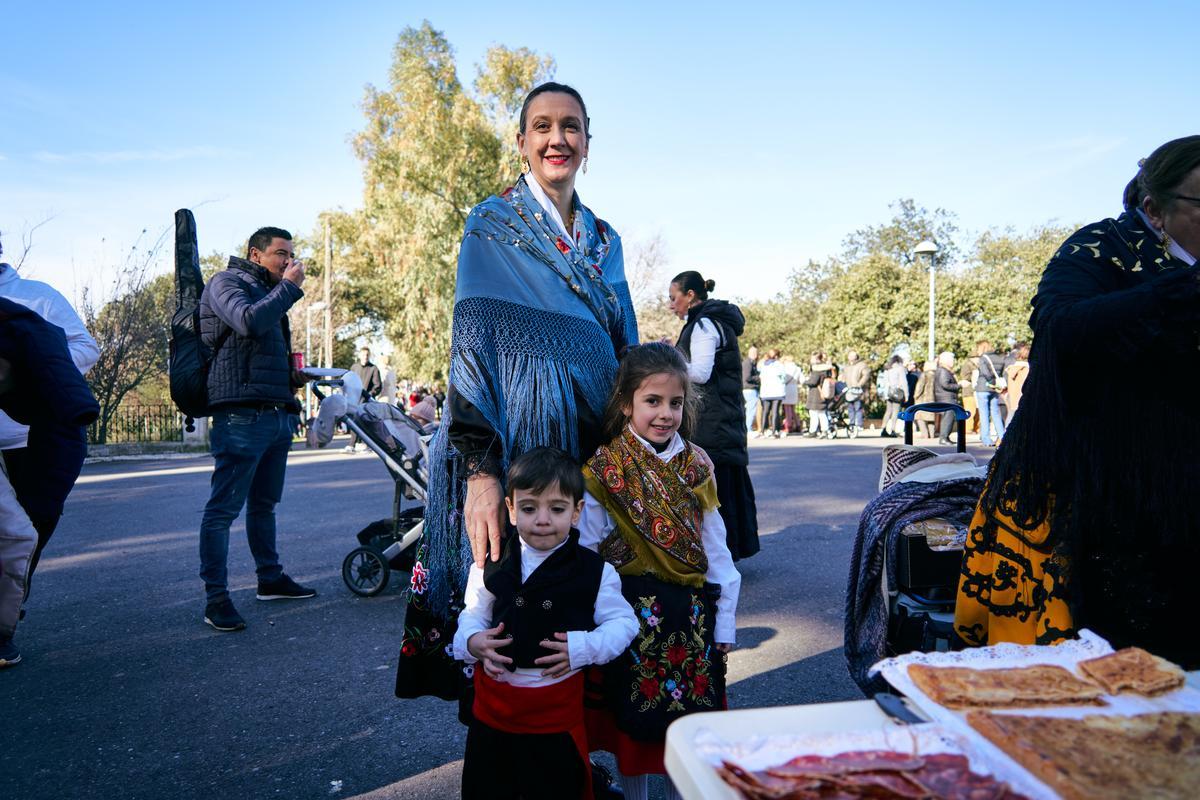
column 559, row 596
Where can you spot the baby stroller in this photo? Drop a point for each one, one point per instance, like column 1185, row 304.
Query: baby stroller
column 402, row 444
column 839, row 417
column 908, row 550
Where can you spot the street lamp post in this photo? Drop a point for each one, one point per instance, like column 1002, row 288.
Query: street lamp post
column 928, row 248
column 308, row 311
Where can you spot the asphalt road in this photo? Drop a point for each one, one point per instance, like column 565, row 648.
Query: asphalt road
column 125, row 692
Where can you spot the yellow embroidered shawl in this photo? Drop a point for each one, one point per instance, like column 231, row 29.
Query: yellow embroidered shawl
column 658, row 506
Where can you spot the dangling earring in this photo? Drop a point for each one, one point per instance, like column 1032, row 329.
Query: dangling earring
column 585, row 165
column 524, row 164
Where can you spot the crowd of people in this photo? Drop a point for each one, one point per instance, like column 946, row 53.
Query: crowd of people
column 836, row 395
column 576, row 586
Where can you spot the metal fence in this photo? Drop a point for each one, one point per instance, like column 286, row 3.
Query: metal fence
column 138, row 423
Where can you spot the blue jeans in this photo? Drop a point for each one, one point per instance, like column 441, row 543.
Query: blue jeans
column 750, row 396
column 250, row 448
column 989, row 412
column 856, row 413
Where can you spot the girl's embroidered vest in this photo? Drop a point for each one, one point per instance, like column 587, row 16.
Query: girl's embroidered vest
column 559, row 596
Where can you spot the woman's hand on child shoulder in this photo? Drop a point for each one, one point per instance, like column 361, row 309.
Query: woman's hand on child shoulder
column 483, row 514
column 558, row 663
column 483, row 645
column 703, row 456
column 725, row 647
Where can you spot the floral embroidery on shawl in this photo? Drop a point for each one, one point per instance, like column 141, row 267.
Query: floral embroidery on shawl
column 658, row 497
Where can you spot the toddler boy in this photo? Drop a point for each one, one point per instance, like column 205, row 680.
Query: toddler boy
column 531, row 620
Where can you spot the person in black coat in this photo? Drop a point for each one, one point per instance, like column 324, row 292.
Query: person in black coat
column 372, row 385
column 946, row 389
column 251, row 386
column 44, row 390
column 1109, row 506
column 709, row 341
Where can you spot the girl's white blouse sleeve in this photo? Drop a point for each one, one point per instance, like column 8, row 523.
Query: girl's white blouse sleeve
column 722, row 572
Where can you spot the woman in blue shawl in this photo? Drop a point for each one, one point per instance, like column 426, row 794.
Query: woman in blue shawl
column 541, row 312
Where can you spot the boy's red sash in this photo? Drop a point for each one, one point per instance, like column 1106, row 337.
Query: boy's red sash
column 557, row 708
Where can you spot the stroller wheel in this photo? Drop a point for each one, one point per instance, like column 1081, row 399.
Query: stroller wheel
column 365, row 571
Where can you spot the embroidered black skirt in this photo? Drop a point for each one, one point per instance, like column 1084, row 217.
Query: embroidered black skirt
column 672, row 668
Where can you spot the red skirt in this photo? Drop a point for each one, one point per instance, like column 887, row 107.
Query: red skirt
column 634, row 757
column 557, row 708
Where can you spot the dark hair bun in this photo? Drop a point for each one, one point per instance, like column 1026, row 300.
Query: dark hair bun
column 709, row 285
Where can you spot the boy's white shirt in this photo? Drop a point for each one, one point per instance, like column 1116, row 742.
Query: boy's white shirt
column 595, row 524
column 616, row 624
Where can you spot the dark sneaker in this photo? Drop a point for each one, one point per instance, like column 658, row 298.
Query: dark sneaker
column 223, row 616
column 283, row 588
column 10, row 656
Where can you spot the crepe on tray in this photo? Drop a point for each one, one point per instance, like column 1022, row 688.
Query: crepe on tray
column 1006, row 687
column 1103, row 756
column 868, row 773
column 1135, row 670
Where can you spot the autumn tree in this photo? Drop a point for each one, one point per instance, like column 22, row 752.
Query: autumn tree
column 131, row 330
column 431, row 150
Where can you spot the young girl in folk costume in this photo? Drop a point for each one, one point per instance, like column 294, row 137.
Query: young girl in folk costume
column 651, row 510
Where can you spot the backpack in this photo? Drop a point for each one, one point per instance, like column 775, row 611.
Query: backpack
column 828, row 388
column 189, row 358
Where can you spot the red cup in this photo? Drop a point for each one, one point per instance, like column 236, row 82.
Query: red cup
column 298, row 361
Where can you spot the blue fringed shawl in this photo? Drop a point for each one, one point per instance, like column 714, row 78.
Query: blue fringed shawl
column 534, row 318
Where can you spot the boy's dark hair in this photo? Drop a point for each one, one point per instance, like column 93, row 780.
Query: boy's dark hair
column 538, row 469
column 637, row 364
column 260, row 240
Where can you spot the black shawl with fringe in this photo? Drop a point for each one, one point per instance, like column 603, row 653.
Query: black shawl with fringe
column 1107, row 436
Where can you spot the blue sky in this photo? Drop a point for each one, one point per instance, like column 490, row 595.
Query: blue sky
column 750, row 136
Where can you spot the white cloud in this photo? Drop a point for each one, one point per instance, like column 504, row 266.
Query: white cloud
column 134, row 156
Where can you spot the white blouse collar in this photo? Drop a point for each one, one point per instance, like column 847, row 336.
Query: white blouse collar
column 674, row 448
column 547, row 205
column 1172, row 246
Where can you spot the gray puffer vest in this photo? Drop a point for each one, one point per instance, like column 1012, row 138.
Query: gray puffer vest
column 253, row 363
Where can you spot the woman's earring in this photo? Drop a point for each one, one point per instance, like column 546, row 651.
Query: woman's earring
column 524, row 164
column 585, row 165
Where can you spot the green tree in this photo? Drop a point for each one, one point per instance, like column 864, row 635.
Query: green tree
column 873, row 295
column 1005, row 269
column 431, row 150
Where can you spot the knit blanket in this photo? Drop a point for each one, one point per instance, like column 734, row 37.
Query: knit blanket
column 868, row 589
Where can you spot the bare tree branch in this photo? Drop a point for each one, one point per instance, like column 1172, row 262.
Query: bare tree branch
column 27, row 240
column 130, row 329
